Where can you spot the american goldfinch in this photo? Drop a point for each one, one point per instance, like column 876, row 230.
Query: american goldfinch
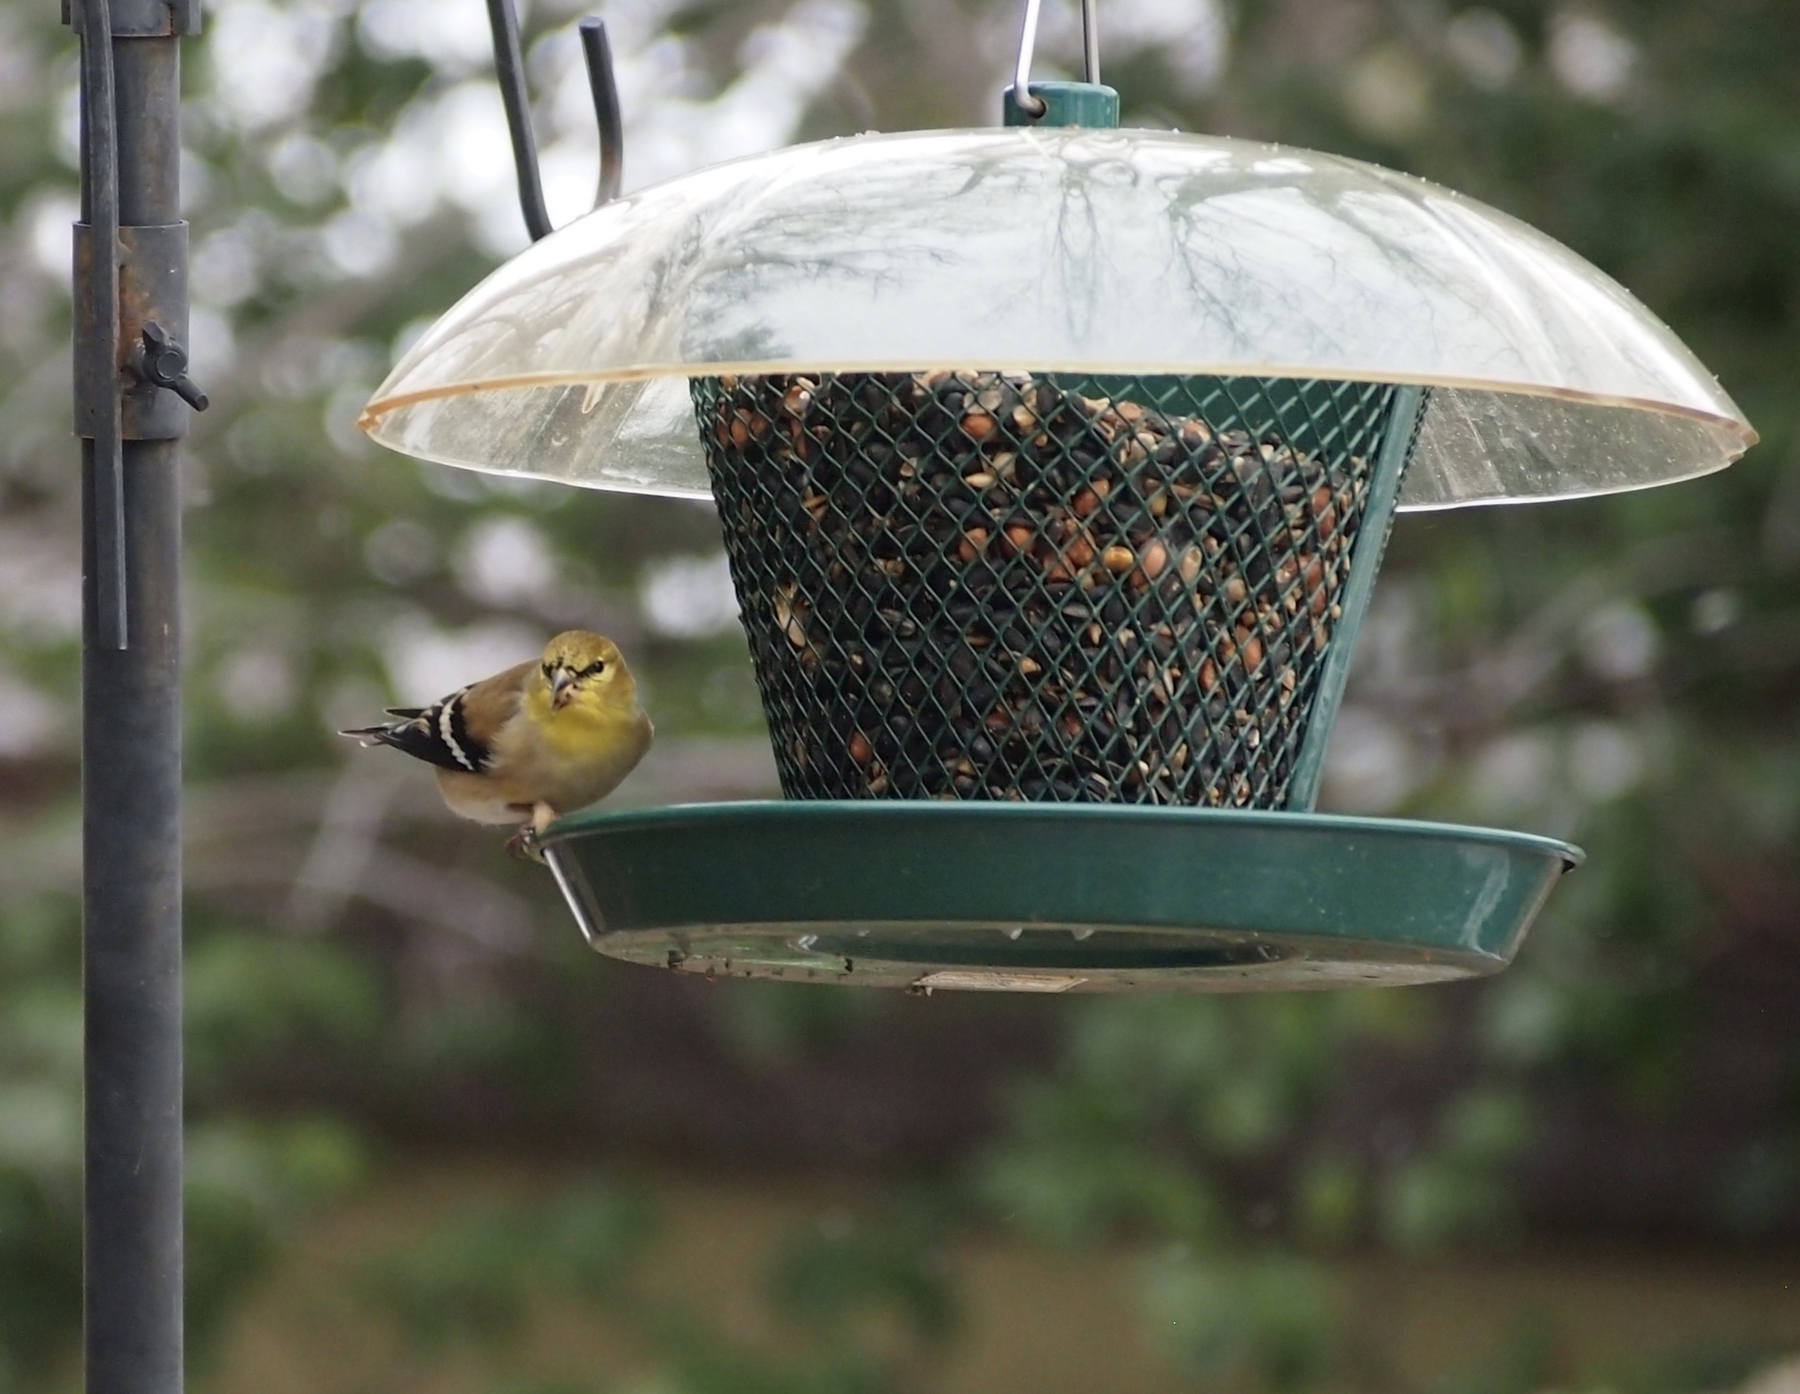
column 534, row 742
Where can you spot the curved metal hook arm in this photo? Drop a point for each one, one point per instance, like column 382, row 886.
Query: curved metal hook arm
column 509, row 70
column 1090, row 52
column 598, row 55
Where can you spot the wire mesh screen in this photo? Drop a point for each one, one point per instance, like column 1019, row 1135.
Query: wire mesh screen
column 1011, row 586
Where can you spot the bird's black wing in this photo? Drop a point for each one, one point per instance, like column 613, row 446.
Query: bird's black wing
column 438, row 734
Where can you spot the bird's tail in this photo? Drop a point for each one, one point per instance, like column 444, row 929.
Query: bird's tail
column 370, row 736
column 438, row 734
column 389, row 732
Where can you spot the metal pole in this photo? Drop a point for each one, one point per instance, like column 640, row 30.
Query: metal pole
column 131, row 714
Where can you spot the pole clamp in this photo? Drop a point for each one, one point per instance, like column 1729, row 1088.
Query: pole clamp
column 150, row 19
column 152, row 291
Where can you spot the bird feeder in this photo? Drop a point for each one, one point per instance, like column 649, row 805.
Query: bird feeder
column 1055, row 464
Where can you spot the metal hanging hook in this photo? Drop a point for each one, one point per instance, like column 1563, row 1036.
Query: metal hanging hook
column 1034, row 106
column 1030, row 105
column 1090, row 39
column 509, row 70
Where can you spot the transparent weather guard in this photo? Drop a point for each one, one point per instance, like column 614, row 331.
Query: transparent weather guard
column 1059, row 250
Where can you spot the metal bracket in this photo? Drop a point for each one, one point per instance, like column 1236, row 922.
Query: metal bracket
column 152, row 290
column 149, row 19
column 126, row 278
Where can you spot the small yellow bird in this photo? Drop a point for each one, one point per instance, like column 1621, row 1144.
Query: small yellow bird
column 534, row 742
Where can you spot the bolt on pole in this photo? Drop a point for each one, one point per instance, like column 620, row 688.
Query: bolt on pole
column 131, row 315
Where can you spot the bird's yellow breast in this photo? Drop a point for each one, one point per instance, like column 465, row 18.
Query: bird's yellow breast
column 577, row 730
column 594, row 722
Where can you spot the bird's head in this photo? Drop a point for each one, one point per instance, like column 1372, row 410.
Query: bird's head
column 583, row 670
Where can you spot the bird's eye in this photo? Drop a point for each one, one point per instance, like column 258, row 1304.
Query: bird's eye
column 594, row 669
column 550, row 671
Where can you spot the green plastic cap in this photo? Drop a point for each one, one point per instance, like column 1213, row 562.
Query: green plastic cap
column 1068, row 104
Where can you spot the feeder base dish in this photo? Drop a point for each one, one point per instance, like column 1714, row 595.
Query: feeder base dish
column 1050, row 897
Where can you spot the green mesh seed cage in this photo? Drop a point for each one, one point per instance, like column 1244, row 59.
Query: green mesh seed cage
column 1047, row 588
column 1054, row 467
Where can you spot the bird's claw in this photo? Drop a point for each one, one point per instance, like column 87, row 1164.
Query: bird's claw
column 525, row 846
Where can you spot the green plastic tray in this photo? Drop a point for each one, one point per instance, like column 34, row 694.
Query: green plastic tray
column 1050, row 897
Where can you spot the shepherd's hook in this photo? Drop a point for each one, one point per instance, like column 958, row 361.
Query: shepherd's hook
column 509, row 70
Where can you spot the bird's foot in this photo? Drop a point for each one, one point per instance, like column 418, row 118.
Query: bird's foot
column 525, row 846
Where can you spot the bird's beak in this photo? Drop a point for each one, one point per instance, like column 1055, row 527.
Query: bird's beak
column 560, row 684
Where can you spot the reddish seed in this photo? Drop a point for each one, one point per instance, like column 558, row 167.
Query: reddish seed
column 1313, row 578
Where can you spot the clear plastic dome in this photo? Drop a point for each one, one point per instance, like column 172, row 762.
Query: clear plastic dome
column 1064, row 250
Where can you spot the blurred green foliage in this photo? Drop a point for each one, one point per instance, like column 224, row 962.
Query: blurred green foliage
column 1267, row 1321
column 1618, row 671
column 473, row 1277
column 466, row 1291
